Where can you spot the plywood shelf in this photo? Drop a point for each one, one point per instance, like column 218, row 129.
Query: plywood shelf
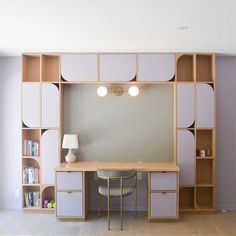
column 50, row 68
column 185, row 68
column 204, row 140
column 205, row 198
column 204, row 68
column 31, row 68
column 186, row 198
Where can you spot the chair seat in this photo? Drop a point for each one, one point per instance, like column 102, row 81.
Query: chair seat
column 115, row 191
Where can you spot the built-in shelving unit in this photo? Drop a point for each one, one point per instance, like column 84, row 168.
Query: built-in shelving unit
column 192, row 75
column 38, row 69
column 197, row 186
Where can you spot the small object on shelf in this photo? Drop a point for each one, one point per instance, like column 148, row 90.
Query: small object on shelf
column 208, row 151
column 70, row 141
column 45, row 203
column 202, row 153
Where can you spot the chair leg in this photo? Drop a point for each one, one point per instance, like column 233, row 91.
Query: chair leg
column 108, row 202
column 99, row 206
column 136, row 198
column 121, row 204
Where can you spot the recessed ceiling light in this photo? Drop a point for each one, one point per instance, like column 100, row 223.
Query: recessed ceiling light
column 183, row 27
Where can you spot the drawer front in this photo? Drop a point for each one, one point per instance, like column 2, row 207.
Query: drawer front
column 70, row 180
column 163, row 180
column 163, row 205
column 70, row 204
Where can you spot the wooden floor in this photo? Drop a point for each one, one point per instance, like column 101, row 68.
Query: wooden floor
column 17, row 223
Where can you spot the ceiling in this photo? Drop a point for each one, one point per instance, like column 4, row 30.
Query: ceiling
column 117, row 25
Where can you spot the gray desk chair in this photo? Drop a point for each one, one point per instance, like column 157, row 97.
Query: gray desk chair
column 121, row 191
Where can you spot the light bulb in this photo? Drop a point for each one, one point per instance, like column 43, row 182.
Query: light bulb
column 133, row 91
column 102, row 91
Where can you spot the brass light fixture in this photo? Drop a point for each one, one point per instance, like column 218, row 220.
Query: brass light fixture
column 117, row 90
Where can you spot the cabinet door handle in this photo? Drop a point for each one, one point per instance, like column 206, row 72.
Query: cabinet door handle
column 68, row 171
column 163, row 192
column 69, row 192
column 163, row 172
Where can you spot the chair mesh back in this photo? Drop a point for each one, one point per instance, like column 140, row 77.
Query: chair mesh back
column 115, row 173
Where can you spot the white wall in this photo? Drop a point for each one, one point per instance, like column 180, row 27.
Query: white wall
column 10, row 131
column 225, row 141
column 226, row 133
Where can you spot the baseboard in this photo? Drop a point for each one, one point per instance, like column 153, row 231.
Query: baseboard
column 227, row 207
column 10, row 205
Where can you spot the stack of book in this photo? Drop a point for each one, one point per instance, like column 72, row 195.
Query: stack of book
column 31, row 148
column 31, row 175
column 32, row 199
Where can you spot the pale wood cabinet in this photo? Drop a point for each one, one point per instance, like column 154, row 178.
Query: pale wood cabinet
column 83, row 67
column 205, row 106
column 117, row 67
column 156, row 67
column 31, row 101
column 49, row 155
column 186, row 157
column 50, row 105
column 185, row 105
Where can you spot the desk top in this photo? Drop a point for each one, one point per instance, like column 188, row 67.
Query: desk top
column 138, row 166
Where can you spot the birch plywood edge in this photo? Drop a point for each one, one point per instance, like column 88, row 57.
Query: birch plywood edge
column 139, row 166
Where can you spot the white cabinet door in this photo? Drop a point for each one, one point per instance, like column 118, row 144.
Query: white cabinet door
column 70, row 180
column 79, row 67
column 49, row 156
column 70, row 204
column 156, row 67
column 117, row 67
column 163, row 180
column 205, row 106
column 163, row 204
column 31, row 105
column 185, row 105
column 185, row 156
column 50, row 105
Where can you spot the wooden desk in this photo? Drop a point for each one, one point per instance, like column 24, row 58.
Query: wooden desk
column 72, row 187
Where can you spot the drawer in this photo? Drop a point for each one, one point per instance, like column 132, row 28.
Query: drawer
column 70, row 204
column 163, row 204
column 163, row 180
column 69, row 180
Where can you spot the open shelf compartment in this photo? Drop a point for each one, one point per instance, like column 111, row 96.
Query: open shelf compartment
column 204, row 172
column 185, row 71
column 31, row 189
column 50, row 68
column 186, row 198
column 31, row 68
column 48, row 194
column 204, row 142
column 204, row 68
column 33, row 135
column 205, row 198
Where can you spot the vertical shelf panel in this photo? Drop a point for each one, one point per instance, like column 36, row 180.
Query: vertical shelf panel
column 185, row 71
column 156, row 67
column 31, row 68
column 49, row 156
column 186, row 156
column 117, row 67
column 31, row 104
column 50, row 105
column 185, row 105
column 204, row 68
column 79, row 67
column 50, row 68
column 205, row 106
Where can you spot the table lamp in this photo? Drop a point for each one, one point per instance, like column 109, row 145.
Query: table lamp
column 70, row 141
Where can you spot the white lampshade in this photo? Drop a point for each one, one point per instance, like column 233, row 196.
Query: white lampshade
column 70, row 141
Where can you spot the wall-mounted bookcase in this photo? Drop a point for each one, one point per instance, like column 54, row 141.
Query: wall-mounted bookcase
column 198, row 70
column 43, row 71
